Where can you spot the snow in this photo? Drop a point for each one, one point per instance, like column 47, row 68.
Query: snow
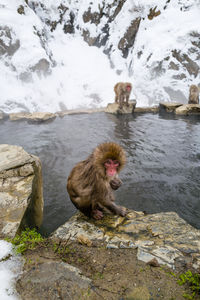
column 82, row 76
column 9, row 269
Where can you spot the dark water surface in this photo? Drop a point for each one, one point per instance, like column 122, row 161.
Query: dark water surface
column 163, row 160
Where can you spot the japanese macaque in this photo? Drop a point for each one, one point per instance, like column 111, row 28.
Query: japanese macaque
column 91, row 182
column 122, row 92
column 194, row 94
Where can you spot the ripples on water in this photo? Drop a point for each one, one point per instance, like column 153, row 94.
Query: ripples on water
column 163, row 160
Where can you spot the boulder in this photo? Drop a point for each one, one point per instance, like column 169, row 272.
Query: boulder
column 188, row 109
column 113, row 108
column 34, row 117
column 21, row 194
column 169, row 106
column 162, row 238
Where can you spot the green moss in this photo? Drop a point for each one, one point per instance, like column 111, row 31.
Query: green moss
column 193, row 281
column 28, row 239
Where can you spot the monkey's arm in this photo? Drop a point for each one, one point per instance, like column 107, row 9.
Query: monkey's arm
column 117, row 210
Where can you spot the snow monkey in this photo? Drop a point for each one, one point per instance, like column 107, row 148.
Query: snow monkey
column 194, row 94
column 91, row 182
column 122, row 91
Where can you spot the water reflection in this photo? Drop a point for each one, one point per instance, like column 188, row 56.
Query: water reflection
column 163, row 160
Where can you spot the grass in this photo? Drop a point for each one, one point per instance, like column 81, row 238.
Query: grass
column 27, row 240
column 193, row 281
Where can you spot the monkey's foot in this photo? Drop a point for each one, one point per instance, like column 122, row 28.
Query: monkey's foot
column 97, row 214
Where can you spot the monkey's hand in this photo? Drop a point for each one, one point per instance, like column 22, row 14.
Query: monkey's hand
column 115, row 183
column 123, row 211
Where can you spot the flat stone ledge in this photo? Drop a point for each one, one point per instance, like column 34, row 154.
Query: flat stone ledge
column 163, row 237
column 34, row 117
column 188, row 109
column 113, row 108
column 169, row 106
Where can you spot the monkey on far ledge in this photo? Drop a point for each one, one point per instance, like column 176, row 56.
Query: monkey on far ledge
column 91, row 182
column 194, row 95
column 122, row 92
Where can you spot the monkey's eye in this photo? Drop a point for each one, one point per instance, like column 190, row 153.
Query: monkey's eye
column 115, row 163
column 111, row 163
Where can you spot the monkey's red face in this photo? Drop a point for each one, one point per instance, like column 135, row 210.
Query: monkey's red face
column 128, row 87
column 111, row 167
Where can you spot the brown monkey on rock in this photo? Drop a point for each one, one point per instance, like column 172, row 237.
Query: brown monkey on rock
column 193, row 95
column 91, row 182
column 122, row 92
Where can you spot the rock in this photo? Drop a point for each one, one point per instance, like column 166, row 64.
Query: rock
column 153, row 263
column 169, row 106
column 34, row 117
column 46, row 281
column 9, row 44
column 21, row 195
column 127, row 41
column 84, row 240
column 113, row 108
column 163, row 237
column 188, row 109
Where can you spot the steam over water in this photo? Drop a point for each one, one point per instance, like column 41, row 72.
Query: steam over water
column 163, row 160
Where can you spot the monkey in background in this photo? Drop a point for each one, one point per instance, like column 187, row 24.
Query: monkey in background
column 91, row 182
column 193, row 95
column 122, row 92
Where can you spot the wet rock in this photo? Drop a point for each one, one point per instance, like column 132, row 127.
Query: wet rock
column 113, row 108
column 35, row 117
column 163, row 236
column 66, row 282
column 188, row 109
column 21, row 195
column 169, row 106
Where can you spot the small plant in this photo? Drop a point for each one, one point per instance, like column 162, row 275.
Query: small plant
column 28, row 239
column 193, row 280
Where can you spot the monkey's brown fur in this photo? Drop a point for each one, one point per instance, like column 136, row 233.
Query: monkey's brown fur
column 194, row 94
column 121, row 92
column 88, row 186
